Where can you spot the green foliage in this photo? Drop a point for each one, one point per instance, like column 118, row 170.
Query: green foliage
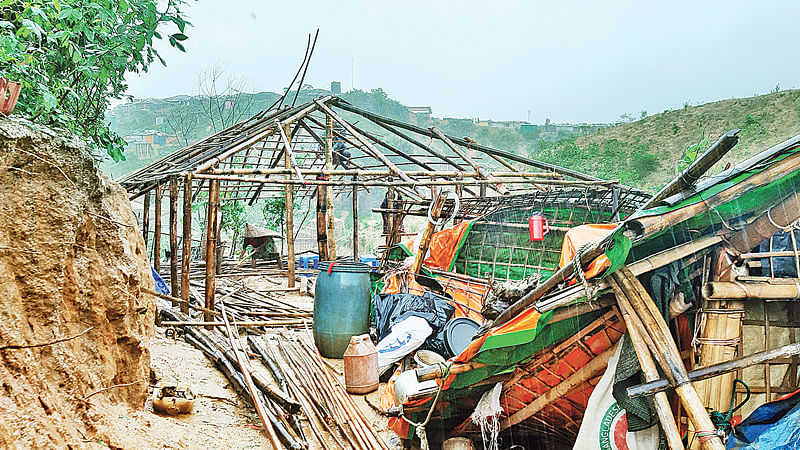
column 752, row 126
column 612, row 159
column 274, row 210
column 691, row 154
column 71, row 57
column 675, row 129
column 234, row 218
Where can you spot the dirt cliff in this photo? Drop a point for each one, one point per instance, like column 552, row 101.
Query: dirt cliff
column 71, row 260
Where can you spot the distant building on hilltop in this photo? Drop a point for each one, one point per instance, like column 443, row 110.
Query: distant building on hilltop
column 336, row 87
column 426, row 111
column 147, row 143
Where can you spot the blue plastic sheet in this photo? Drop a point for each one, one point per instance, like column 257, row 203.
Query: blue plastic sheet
column 773, row 425
column 161, row 285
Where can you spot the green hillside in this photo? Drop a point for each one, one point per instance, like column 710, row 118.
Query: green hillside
column 646, row 153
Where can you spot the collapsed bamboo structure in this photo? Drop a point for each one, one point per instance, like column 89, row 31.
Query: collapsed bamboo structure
column 299, row 152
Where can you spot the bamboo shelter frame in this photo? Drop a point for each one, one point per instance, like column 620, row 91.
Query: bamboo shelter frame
column 329, row 145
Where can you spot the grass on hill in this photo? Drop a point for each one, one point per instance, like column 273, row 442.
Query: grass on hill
column 646, row 153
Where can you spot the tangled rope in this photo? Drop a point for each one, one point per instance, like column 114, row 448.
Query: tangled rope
column 577, row 268
column 420, row 426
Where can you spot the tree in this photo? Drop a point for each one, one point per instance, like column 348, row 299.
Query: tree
column 223, row 105
column 182, row 120
column 71, row 57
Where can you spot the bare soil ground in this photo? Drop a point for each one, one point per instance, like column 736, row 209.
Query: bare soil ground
column 220, row 419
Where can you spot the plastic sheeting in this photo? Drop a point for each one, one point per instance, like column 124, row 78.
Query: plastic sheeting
column 773, row 425
column 391, row 309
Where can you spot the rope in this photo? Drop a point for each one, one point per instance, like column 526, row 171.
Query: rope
column 420, row 427
column 722, row 421
column 456, row 207
column 791, row 226
column 577, row 268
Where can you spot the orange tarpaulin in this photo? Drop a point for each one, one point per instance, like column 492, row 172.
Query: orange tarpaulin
column 467, row 297
column 444, row 246
column 583, row 234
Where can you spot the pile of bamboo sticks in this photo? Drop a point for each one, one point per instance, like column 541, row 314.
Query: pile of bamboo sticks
column 319, row 389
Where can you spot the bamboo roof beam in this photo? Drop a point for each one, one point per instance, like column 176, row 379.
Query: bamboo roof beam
column 365, row 141
column 288, row 149
column 496, row 185
column 339, row 103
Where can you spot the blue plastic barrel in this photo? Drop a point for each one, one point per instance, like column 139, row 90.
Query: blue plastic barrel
column 341, row 306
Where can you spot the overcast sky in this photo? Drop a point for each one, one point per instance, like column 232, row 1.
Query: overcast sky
column 568, row 61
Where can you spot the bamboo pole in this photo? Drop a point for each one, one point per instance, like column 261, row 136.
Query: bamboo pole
column 659, row 332
column 650, row 371
column 287, row 148
column 211, row 243
column 430, row 227
column 650, row 225
column 146, row 219
column 322, row 221
column 173, row 235
column 252, row 323
column 157, row 228
column 240, row 358
column 382, row 173
column 181, row 301
column 411, row 183
column 380, row 120
column 289, row 194
column 594, row 367
column 784, row 214
column 355, row 223
column 329, row 214
column 703, row 373
column 186, row 255
column 496, row 185
column 364, row 141
column 688, row 177
column 750, row 291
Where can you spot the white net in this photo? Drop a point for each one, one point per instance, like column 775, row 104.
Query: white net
column 487, row 415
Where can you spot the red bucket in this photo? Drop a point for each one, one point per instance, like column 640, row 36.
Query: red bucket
column 538, row 226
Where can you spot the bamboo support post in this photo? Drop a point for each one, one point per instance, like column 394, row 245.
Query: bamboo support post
column 430, row 227
column 211, row 244
column 657, row 328
column 663, row 410
column 186, row 255
column 289, row 193
column 157, row 228
column 594, row 367
column 355, row 223
column 146, row 219
column 173, row 235
column 329, row 214
column 322, row 221
column 719, row 336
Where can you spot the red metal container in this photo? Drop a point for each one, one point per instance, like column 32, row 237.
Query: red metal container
column 538, row 226
column 361, row 365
